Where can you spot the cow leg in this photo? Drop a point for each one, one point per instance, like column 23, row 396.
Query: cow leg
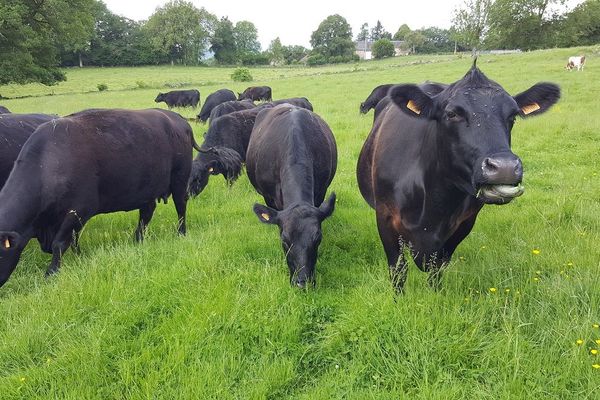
column 70, row 226
column 75, row 242
column 180, row 199
column 393, row 245
column 146, row 213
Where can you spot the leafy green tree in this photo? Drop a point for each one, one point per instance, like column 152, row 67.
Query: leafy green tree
column 436, row 41
column 294, row 54
column 581, row 26
column 275, row 51
column 383, row 48
column 332, row 41
column 180, row 31
column 246, row 39
column 33, row 32
column 223, row 42
column 415, row 40
column 363, row 34
column 470, row 22
column 379, row 32
column 402, row 32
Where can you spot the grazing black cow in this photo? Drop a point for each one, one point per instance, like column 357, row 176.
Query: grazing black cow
column 213, row 100
column 124, row 160
column 224, row 149
column 229, row 107
column 179, row 98
column 256, row 93
column 430, row 163
column 15, row 129
column 375, row 97
column 301, row 102
column 4, row 110
column 291, row 160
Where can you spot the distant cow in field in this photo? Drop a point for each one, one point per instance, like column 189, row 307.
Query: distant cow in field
column 224, row 148
column 213, row 100
column 179, row 98
column 576, row 62
column 256, row 93
column 15, row 129
column 291, row 161
column 124, row 160
column 375, row 97
column 301, row 102
column 4, row 110
column 430, row 163
column 229, row 107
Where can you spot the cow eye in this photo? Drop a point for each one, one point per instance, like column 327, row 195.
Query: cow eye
column 452, row 116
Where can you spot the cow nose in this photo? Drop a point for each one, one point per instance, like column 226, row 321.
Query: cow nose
column 506, row 170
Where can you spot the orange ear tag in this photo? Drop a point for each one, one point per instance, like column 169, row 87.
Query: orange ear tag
column 412, row 106
column 7, row 243
column 265, row 216
column 530, row 108
column 211, row 169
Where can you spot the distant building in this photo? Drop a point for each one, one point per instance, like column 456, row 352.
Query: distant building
column 363, row 48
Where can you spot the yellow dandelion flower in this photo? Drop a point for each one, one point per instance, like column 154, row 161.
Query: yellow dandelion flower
column 569, row 264
column 593, row 351
column 22, row 379
column 579, row 342
column 507, row 290
column 536, row 279
column 596, row 326
column 536, row 251
column 493, row 289
column 483, row 247
column 597, row 366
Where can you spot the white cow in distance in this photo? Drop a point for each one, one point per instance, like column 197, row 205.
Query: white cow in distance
column 576, row 62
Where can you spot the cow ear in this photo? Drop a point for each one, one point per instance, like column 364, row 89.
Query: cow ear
column 266, row 214
column 9, row 241
column 537, row 99
column 412, row 100
column 326, row 208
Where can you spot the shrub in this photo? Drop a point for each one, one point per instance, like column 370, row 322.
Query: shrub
column 383, row 48
column 316, row 59
column 102, row 87
column 241, row 75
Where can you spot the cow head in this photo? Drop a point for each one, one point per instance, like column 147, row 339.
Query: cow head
column 11, row 247
column 214, row 161
column 159, row 98
column 300, row 233
column 363, row 108
column 474, row 118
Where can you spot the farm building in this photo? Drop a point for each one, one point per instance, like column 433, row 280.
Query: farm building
column 363, row 48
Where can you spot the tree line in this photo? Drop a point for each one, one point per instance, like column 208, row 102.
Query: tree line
column 37, row 37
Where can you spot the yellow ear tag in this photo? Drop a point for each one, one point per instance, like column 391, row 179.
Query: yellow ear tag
column 7, row 243
column 265, row 216
column 412, row 106
column 211, row 169
column 528, row 109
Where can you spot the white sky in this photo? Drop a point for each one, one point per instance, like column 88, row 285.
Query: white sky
column 294, row 20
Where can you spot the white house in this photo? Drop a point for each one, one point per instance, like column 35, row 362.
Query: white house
column 363, row 48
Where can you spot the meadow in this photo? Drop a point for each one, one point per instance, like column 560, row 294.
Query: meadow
column 212, row 315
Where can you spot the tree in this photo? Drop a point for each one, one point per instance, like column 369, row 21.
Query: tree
column 471, row 22
column 436, row 41
column 294, row 54
column 581, row 26
column 180, row 31
column 363, row 34
column 414, row 40
column 383, row 48
column 33, row 32
column 402, row 32
column 276, row 51
column 379, row 32
column 332, row 41
column 246, row 39
column 223, row 42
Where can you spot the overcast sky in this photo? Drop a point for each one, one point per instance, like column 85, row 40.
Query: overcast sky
column 294, row 21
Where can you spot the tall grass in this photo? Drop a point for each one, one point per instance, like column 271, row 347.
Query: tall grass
column 211, row 315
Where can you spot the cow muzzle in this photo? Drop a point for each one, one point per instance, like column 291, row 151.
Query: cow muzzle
column 501, row 176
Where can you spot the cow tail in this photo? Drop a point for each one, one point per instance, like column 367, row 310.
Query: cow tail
column 194, row 144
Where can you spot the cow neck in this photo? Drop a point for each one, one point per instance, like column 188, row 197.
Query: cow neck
column 20, row 198
column 297, row 177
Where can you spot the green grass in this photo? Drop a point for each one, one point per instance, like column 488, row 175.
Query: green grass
column 211, row 315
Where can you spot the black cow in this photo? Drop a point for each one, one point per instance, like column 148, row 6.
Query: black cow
column 301, row 102
column 256, row 93
column 213, row 100
column 429, row 88
column 179, row 98
column 375, row 97
column 430, row 163
column 15, row 129
column 4, row 110
column 229, row 107
column 224, row 148
column 124, row 160
column 291, row 160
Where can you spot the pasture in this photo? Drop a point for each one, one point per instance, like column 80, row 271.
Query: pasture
column 212, row 315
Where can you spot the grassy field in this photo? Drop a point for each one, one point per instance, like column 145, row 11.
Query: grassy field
column 211, row 315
